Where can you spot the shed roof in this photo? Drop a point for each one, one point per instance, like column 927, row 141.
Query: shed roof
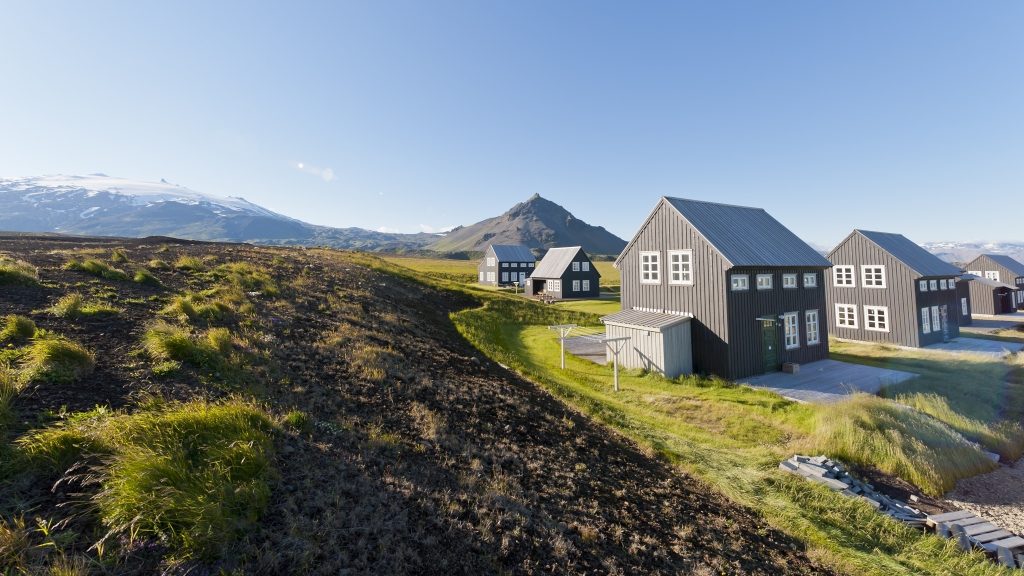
column 644, row 320
column 988, row 281
column 1007, row 262
column 915, row 257
column 512, row 253
column 747, row 236
column 554, row 263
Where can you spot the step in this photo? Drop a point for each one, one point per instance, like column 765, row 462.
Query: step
column 991, row 536
column 948, row 517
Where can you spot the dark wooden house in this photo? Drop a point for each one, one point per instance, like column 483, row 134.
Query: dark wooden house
column 990, row 297
column 505, row 264
column 963, row 296
column 885, row 288
column 753, row 290
column 565, row 273
column 1001, row 268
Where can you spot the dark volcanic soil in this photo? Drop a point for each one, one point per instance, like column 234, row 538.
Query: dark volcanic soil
column 446, row 465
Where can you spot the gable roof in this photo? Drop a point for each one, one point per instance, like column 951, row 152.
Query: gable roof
column 913, row 256
column 512, row 253
column 555, row 262
column 1006, row 262
column 987, row 281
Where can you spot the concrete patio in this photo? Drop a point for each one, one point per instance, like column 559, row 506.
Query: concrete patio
column 828, row 381
column 965, row 345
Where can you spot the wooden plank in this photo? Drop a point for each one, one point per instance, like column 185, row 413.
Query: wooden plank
column 991, row 536
column 977, row 529
column 949, row 516
column 943, row 528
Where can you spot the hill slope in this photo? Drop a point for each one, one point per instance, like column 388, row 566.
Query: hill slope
column 537, row 223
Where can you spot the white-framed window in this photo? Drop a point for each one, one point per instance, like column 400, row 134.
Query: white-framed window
column 490, row 276
column 490, row 262
column 843, row 276
column 482, row 276
column 963, row 307
column 933, row 285
column 555, row 285
column 791, row 330
column 575, row 266
column 504, row 264
column 586, row 285
column 680, row 267
column 650, row 268
column 739, row 282
column 923, row 285
column 531, row 264
column 575, row 285
column 876, row 318
column 846, row 315
column 764, row 281
column 810, row 279
column 504, row 277
column 926, row 321
column 975, row 272
column 813, row 331
column 789, row 280
column 936, row 321
column 942, row 284
column 586, row 266
column 952, row 283
column 992, row 275
column 873, row 276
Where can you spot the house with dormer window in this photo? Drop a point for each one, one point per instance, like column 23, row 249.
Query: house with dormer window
column 885, row 288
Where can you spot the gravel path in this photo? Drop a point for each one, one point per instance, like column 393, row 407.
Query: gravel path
column 997, row 496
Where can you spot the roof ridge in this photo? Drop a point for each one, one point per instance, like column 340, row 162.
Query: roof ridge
column 715, row 203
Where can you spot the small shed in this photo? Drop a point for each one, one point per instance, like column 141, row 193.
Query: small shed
column 990, row 297
column 963, row 298
column 565, row 273
column 658, row 342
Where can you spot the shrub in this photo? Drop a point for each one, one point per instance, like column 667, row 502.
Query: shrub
column 97, row 268
column 118, row 255
column 14, row 272
column 190, row 263
column 143, row 276
column 194, row 475
column 56, row 359
column 16, row 329
column 76, row 306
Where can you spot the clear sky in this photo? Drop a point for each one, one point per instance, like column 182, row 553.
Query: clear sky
column 900, row 116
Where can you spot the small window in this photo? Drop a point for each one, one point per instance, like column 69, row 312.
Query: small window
column 992, row 275
column 926, row 321
column 843, row 276
column 933, row 285
column 482, row 276
column 490, row 276
column 943, row 285
column 791, row 330
column 575, row 285
column 650, row 268
column 876, row 318
column 846, row 315
column 680, row 267
column 810, row 280
column 873, row 276
column 936, row 321
column 586, row 266
column 789, row 280
column 555, row 285
column 963, row 307
column 504, row 276
column 813, row 332
column 586, row 285
column 504, row 264
column 975, row 272
column 740, row 282
column 490, row 262
column 764, row 281
column 923, row 285
column 575, row 266
column 531, row 264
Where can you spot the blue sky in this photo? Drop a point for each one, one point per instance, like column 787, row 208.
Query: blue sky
column 898, row 116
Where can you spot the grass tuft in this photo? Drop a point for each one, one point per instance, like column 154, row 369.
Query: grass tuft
column 17, row 272
column 248, row 278
column 169, row 343
column 193, row 308
column 56, row 359
column 16, row 329
column 76, row 306
column 96, row 268
column 157, row 264
column 118, row 255
column 143, row 276
column 189, row 263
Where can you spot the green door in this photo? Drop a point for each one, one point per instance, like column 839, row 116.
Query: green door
column 770, row 346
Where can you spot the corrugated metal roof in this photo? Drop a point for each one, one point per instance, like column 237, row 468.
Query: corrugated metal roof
column 917, row 258
column 646, row 320
column 512, row 253
column 554, row 263
column 747, row 236
column 988, row 281
column 1004, row 260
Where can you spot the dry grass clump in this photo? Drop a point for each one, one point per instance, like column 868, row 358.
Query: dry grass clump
column 190, row 307
column 118, row 255
column 16, row 329
column 76, row 306
column 56, row 359
column 157, row 264
column 209, row 351
column 143, row 276
column 15, row 272
column 248, row 278
column 190, row 263
column 96, row 268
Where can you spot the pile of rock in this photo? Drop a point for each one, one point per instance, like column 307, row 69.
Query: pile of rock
column 825, row 471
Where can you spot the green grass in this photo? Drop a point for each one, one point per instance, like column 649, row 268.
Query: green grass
column 190, row 263
column 208, row 351
column 247, row 278
column 157, row 264
column 143, row 276
column 56, row 359
column 118, row 255
column 16, row 329
column 193, row 308
column 17, row 272
column 599, row 307
column 194, row 476
column 96, row 268
column 76, row 306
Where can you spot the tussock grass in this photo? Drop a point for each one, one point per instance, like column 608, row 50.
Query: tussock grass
column 96, row 268
column 190, row 263
column 193, row 475
column 248, row 278
column 157, row 264
column 143, row 276
column 76, row 306
column 17, row 272
column 190, row 307
column 56, row 359
column 16, row 329
column 118, row 255
column 208, row 351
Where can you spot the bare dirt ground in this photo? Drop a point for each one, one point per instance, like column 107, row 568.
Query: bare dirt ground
column 997, row 496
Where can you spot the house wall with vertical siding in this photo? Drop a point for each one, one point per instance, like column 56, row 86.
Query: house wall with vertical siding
column 668, row 352
column 984, row 264
column 963, row 291
column 940, row 298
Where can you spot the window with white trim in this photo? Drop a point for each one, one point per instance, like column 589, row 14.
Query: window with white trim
column 975, row 272
column 586, row 266
column 531, row 264
column 764, row 281
column 490, row 276
column 482, row 276
column 504, row 277
column 963, row 306
column 936, row 322
column 555, row 285
column 490, row 262
column 933, row 285
column 575, row 285
column 876, row 318
column 992, row 275
column 791, row 330
column 504, row 264
column 923, row 285
column 926, row 321
column 680, row 267
column 575, row 266
column 813, row 331
column 650, row 268
column 810, row 280
column 586, row 285
column 843, row 276
column 740, row 282
column 942, row 284
column 846, row 315
column 789, row 280
column 873, row 276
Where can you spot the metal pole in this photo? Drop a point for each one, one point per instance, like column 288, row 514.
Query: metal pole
column 562, row 340
column 615, row 364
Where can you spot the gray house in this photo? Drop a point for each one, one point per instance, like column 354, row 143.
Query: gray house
column 963, row 296
column 754, row 292
column 505, row 264
column 1000, row 268
column 885, row 288
column 989, row 297
column 565, row 273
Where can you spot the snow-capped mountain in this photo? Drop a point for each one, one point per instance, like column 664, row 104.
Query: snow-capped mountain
column 963, row 252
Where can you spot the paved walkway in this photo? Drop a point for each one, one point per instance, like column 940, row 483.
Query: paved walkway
column 987, row 324
column 964, row 345
column 828, row 381
column 587, row 349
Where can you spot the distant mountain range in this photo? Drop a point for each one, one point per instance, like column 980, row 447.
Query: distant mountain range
column 964, row 252
column 101, row 205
